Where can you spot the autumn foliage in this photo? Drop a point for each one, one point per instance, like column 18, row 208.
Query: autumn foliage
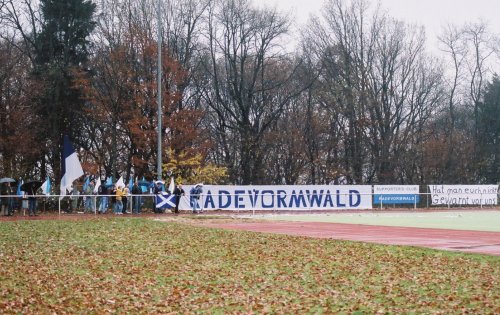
column 169, row 267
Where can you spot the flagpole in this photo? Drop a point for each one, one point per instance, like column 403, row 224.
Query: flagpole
column 159, row 153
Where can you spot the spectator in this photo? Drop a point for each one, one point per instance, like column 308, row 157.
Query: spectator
column 73, row 200
column 31, row 201
column 112, row 192
column 195, row 194
column 125, row 193
column 89, row 199
column 178, row 192
column 103, row 192
column 6, row 201
column 136, row 198
column 119, row 203
column 156, row 191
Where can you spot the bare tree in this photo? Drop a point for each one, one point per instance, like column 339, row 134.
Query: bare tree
column 376, row 83
column 247, row 80
column 184, row 20
column 19, row 125
column 479, row 39
column 471, row 49
column 454, row 46
column 21, row 18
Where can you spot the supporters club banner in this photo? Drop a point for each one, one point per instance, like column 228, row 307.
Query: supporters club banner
column 314, row 197
column 396, row 194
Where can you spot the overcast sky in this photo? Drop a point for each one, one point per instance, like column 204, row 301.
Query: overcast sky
column 433, row 14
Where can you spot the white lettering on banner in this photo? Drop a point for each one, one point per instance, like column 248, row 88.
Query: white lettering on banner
column 464, row 194
column 321, row 197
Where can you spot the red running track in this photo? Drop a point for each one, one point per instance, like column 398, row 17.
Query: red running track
column 453, row 240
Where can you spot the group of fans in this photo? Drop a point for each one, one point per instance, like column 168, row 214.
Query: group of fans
column 119, row 198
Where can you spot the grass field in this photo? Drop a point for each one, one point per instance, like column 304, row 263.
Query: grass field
column 476, row 220
column 136, row 265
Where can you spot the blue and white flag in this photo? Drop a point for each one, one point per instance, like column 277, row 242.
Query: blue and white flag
column 97, row 184
column 165, row 201
column 120, row 182
column 171, row 187
column 144, row 186
column 46, row 187
column 72, row 169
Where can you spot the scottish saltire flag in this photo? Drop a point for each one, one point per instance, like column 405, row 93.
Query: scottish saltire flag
column 71, row 167
column 165, row 201
column 97, row 184
column 46, row 187
column 171, row 187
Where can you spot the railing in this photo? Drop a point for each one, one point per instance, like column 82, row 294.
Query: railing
column 424, row 201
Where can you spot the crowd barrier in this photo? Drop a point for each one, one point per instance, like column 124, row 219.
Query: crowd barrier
column 250, row 203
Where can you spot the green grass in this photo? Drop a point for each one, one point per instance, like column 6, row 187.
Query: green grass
column 143, row 266
column 476, row 220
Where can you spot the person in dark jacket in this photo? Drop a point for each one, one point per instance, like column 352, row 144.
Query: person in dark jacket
column 195, row 194
column 103, row 192
column 156, row 191
column 31, row 201
column 6, row 202
column 178, row 192
column 136, row 198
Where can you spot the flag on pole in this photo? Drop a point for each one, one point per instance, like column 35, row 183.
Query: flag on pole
column 19, row 191
column 46, row 187
column 97, row 184
column 120, row 182
column 71, row 167
column 143, row 184
column 171, row 187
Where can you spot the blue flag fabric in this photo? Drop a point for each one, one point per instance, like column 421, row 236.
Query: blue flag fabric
column 49, row 186
column 109, row 182
column 86, row 184
column 165, row 201
column 46, row 186
column 19, row 191
column 130, row 184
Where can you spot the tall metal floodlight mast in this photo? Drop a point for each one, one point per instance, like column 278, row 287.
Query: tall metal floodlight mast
column 158, row 167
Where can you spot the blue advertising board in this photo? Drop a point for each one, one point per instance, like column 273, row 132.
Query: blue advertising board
column 396, row 194
column 395, row 199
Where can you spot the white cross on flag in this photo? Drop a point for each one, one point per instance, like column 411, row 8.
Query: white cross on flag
column 165, row 200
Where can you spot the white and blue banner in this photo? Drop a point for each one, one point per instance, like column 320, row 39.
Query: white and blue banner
column 464, row 194
column 396, row 194
column 281, row 197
